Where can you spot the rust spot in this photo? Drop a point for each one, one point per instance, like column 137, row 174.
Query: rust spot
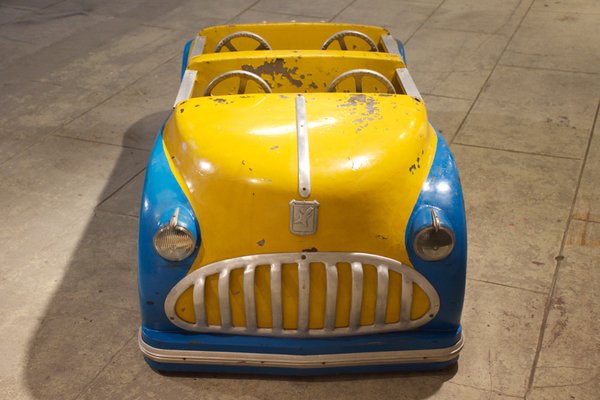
column 313, row 85
column 218, row 100
column 261, row 242
column 310, row 250
column 381, row 237
column 275, row 67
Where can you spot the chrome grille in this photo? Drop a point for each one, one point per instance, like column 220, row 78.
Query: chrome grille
column 330, row 260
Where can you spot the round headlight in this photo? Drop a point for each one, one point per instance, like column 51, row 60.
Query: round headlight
column 174, row 242
column 434, row 242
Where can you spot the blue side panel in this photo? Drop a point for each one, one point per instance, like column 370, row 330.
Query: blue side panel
column 401, row 49
column 157, row 276
column 184, row 58
column 442, row 190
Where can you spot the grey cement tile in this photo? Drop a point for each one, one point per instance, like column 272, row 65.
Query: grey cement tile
column 191, row 16
column 68, row 351
column 113, row 8
column 587, row 205
column 487, row 16
column 77, row 172
column 446, row 114
column 402, row 18
column 563, row 41
column 501, row 326
column 12, row 50
column 30, row 4
column 578, row 6
column 517, row 206
column 254, row 16
column 124, row 374
column 11, row 14
column 536, row 111
column 126, row 201
column 46, row 28
column 35, row 220
column 101, row 269
column 310, row 8
column 452, row 63
column 120, row 62
column 569, row 362
column 32, row 110
column 134, row 116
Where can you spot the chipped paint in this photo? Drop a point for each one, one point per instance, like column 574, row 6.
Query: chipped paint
column 275, row 67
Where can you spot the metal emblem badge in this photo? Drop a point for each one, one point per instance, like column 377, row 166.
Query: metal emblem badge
column 303, row 217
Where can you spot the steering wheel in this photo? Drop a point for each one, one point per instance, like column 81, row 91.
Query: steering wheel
column 244, row 76
column 342, row 34
column 358, row 75
column 226, row 41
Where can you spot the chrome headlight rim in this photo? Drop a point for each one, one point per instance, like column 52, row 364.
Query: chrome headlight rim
column 175, row 229
column 436, row 228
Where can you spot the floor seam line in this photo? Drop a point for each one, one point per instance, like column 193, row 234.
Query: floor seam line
column 481, row 90
column 560, row 257
column 119, row 188
column 286, row 14
column 423, row 23
column 341, row 11
column 104, row 143
column 528, row 67
column 517, row 151
column 70, row 120
column 445, row 96
column 507, row 286
column 118, row 214
column 91, row 382
column 243, row 11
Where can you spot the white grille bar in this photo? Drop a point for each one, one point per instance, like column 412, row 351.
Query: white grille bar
column 199, row 302
column 303, row 296
column 249, row 305
column 407, row 295
column 382, row 290
column 357, row 293
column 332, row 289
column 276, row 312
column 357, row 261
column 224, row 299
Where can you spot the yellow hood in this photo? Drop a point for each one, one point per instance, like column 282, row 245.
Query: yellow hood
column 236, row 157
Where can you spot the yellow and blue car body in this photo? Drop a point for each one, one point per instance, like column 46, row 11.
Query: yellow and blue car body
column 300, row 213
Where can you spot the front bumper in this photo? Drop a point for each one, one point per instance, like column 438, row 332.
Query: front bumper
column 228, row 353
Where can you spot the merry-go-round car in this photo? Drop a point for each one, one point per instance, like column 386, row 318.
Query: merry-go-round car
column 300, row 213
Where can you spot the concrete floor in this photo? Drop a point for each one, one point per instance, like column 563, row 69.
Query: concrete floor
column 513, row 85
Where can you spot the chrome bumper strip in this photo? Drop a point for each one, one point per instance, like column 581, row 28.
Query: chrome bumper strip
column 299, row 361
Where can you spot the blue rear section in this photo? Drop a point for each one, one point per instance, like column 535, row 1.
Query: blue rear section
column 401, row 50
column 157, row 276
column 184, row 58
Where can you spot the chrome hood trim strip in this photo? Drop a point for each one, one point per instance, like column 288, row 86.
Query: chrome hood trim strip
column 303, row 155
